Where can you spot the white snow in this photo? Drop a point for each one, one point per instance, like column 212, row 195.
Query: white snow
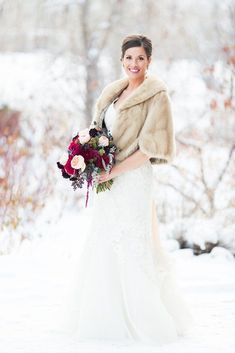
column 34, row 278
column 222, row 254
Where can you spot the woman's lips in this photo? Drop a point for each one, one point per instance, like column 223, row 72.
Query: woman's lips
column 134, row 70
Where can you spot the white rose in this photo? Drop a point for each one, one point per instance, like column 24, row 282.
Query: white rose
column 103, row 141
column 63, row 159
column 84, row 136
column 78, row 162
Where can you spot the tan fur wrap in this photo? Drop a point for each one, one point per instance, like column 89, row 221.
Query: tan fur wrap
column 144, row 119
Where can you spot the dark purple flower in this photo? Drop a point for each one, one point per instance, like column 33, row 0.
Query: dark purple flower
column 65, row 175
column 93, row 132
column 59, row 165
column 107, row 149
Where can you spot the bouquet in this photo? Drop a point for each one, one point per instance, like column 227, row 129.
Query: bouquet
column 89, row 152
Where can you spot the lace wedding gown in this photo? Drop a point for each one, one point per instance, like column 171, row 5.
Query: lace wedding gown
column 124, row 287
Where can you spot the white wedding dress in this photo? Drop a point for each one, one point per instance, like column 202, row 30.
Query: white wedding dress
column 124, row 288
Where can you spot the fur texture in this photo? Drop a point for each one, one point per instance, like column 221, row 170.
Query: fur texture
column 144, row 119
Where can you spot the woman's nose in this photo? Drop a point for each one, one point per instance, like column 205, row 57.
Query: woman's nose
column 134, row 62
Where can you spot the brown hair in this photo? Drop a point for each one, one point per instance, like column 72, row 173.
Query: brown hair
column 137, row 40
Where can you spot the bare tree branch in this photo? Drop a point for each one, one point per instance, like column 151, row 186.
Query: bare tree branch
column 223, row 171
column 186, row 196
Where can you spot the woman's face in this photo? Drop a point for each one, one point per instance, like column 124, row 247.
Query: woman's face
column 135, row 62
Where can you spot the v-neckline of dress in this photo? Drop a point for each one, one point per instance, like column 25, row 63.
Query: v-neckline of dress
column 115, row 100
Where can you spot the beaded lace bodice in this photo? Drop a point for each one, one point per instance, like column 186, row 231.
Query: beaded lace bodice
column 110, row 116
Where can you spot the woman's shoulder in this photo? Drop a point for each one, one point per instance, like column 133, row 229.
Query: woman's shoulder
column 111, row 89
column 158, row 83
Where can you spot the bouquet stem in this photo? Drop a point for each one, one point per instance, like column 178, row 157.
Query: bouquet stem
column 104, row 186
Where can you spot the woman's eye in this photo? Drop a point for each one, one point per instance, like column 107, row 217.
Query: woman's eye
column 129, row 57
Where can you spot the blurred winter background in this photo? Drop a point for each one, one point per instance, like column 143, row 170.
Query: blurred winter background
column 55, row 58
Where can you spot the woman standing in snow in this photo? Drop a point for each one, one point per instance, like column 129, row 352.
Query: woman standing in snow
column 124, row 288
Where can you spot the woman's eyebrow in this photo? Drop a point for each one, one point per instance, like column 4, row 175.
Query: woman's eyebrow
column 141, row 55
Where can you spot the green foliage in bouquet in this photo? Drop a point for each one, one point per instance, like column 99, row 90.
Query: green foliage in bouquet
column 106, row 185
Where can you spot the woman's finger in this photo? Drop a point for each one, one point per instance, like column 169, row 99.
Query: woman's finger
column 102, row 178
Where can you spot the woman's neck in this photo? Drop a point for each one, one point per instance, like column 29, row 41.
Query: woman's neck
column 133, row 84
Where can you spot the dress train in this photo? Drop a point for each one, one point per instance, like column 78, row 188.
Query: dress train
column 124, row 286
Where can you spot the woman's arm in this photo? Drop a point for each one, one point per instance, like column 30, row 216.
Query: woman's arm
column 134, row 161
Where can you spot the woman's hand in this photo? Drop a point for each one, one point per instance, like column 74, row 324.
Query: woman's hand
column 105, row 176
column 134, row 161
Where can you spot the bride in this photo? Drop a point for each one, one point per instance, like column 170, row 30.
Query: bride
column 124, row 287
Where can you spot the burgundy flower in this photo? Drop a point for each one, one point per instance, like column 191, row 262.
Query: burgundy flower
column 89, row 154
column 105, row 158
column 74, row 148
column 68, row 169
column 93, row 155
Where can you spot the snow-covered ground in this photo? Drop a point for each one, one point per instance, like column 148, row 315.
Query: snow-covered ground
column 33, row 282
